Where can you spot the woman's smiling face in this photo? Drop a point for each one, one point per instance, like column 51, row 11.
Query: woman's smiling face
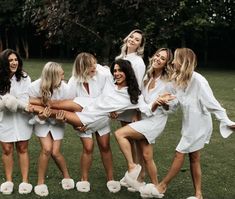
column 119, row 76
column 13, row 63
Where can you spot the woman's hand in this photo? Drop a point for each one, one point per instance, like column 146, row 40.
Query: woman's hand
column 113, row 115
column 81, row 128
column 43, row 115
column 60, row 116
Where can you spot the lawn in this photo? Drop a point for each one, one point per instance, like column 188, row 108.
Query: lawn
column 217, row 158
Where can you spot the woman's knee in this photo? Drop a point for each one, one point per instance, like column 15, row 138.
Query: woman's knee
column 46, row 151
column 179, row 156
column 22, row 147
column 194, row 157
column 8, row 150
column 88, row 148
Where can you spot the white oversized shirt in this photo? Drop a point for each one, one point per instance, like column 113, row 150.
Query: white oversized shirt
column 152, row 127
column 56, row 128
column 112, row 99
column 96, row 86
column 197, row 102
column 14, row 127
column 139, row 68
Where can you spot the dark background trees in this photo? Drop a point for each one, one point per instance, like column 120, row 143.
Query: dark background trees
column 62, row 28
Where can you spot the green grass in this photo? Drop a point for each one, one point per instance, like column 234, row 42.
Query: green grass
column 217, row 158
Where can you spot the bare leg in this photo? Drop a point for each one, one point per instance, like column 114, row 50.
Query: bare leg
column 86, row 157
column 59, row 158
column 196, row 174
column 122, row 136
column 136, row 154
column 70, row 117
column 67, row 105
column 45, row 154
column 106, row 154
column 148, row 160
column 139, row 158
column 7, row 158
column 22, row 151
column 174, row 170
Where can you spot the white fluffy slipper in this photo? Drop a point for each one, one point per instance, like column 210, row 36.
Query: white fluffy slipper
column 67, row 183
column 113, row 186
column 41, row 190
column 155, row 193
column 7, row 187
column 146, row 191
column 25, row 188
column 134, row 184
column 10, row 102
column 83, row 186
column 123, row 182
column 135, row 172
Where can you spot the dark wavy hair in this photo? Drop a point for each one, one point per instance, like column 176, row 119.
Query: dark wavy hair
column 132, row 84
column 5, row 82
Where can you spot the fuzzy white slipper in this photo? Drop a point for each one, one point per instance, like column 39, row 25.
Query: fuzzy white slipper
column 25, row 188
column 35, row 119
column 155, row 193
column 7, row 187
column 113, row 186
column 123, row 182
column 146, row 191
column 83, row 186
column 13, row 104
column 41, row 190
column 67, row 183
column 134, row 184
column 135, row 172
column 10, row 102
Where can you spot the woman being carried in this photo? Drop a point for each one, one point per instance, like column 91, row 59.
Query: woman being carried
column 119, row 96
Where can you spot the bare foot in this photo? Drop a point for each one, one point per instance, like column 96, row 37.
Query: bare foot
column 161, row 187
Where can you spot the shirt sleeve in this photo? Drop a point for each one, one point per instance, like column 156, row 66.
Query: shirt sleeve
column 140, row 72
column 208, row 101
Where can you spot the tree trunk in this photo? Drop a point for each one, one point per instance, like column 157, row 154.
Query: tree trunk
column 106, row 50
column 6, row 37
column 24, row 40
column 205, row 47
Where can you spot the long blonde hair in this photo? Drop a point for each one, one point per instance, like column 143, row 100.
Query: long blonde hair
column 140, row 49
column 50, row 79
column 81, row 66
column 186, row 59
column 165, row 75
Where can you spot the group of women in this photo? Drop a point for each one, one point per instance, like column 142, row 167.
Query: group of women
column 141, row 100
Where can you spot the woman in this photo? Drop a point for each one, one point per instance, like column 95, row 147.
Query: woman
column 50, row 133
column 149, row 128
column 133, row 51
column 197, row 103
column 88, row 82
column 14, row 127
